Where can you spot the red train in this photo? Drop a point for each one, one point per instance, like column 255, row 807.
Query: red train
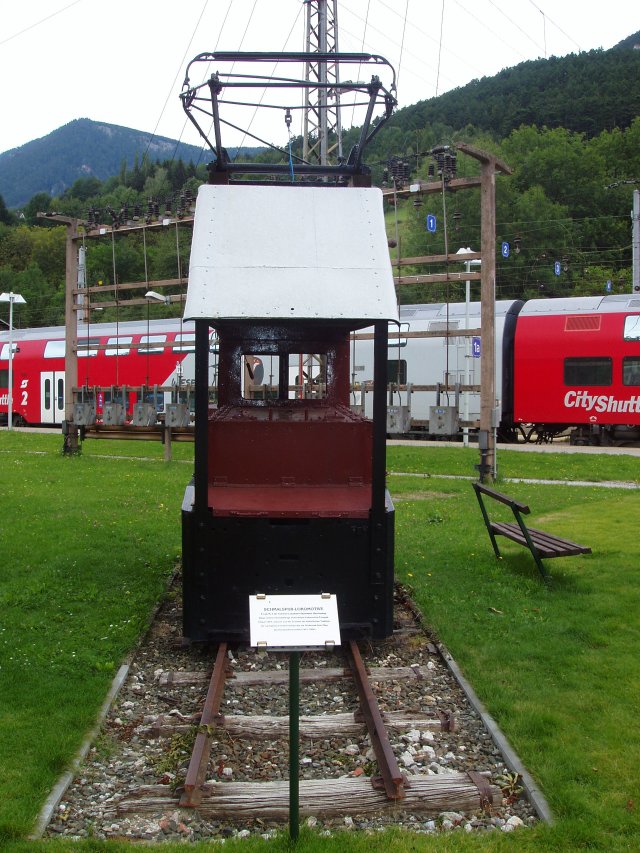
column 563, row 364
column 125, row 356
column 577, row 364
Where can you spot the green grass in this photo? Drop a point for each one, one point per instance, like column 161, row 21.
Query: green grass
column 88, row 543
column 460, row 461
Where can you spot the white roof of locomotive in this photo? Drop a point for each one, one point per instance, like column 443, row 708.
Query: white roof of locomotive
column 290, row 253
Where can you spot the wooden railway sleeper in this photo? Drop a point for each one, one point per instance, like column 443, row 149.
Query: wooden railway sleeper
column 391, row 779
column 192, row 794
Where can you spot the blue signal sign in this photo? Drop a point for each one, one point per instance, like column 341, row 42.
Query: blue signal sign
column 506, row 248
column 475, row 347
column 431, row 223
column 556, row 267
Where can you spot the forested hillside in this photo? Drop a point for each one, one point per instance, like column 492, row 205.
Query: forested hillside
column 569, row 129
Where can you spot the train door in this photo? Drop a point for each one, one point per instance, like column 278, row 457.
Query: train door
column 51, row 397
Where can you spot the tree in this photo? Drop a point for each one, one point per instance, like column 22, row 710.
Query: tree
column 5, row 215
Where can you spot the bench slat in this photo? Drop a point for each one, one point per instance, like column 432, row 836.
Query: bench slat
column 546, row 543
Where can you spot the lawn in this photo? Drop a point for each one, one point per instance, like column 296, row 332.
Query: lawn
column 88, row 544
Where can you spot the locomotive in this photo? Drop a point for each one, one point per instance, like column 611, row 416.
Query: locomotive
column 288, row 495
column 561, row 364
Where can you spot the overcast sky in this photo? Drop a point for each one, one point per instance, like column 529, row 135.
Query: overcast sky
column 124, row 62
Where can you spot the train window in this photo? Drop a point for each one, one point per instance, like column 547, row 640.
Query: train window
column 185, row 342
column 118, row 346
column 47, row 394
column 4, row 378
column 588, row 371
column 397, row 371
column 54, row 349
column 60, row 394
column 632, row 328
column 147, row 344
column 4, row 353
column 631, row 370
column 88, row 347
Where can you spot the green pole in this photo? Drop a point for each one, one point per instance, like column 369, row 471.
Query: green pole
column 294, row 745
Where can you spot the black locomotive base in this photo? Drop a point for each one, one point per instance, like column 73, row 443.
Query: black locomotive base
column 228, row 559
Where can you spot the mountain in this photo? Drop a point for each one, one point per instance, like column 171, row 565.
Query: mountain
column 80, row 149
column 585, row 93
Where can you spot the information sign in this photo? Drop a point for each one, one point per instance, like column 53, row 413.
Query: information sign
column 475, row 347
column 287, row 622
column 557, row 268
column 431, row 223
column 506, row 248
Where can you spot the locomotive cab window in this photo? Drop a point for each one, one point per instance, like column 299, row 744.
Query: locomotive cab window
column 308, row 376
column 258, row 371
column 4, row 378
column 631, row 370
column 588, row 371
column 632, row 328
column 296, row 376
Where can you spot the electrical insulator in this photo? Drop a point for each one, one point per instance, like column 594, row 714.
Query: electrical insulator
column 457, row 216
column 432, row 170
column 516, row 245
column 136, row 212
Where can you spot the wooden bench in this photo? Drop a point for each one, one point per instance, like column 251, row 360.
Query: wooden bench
column 540, row 544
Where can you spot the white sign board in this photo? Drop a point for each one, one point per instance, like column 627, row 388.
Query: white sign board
column 294, row 621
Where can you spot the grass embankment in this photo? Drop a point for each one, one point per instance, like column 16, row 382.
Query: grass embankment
column 87, row 544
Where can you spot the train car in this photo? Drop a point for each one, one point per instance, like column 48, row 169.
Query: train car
column 577, row 364
column 131, row 355
column 418, row 361
column 571, row 364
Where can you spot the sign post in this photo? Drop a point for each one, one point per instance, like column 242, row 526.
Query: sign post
column 294, row 623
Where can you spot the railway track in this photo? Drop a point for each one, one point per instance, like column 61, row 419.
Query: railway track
column 196, row 745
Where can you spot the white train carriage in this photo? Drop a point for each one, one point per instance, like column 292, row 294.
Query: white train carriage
column 441, row 363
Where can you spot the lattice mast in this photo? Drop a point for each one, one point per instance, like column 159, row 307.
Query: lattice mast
column 322, row 133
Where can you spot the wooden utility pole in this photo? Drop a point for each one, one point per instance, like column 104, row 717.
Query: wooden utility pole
column 490, row 165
